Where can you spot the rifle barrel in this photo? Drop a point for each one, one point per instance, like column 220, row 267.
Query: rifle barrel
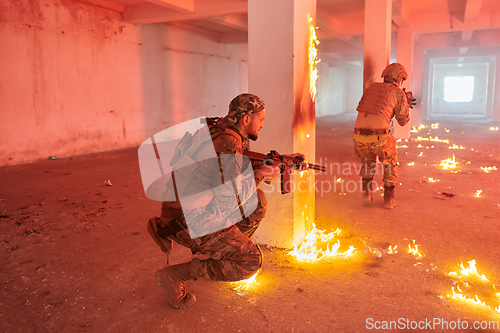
column 317, row 167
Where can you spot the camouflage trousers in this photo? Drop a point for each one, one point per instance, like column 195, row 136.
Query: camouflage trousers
column 230, row 254
column 385, row 150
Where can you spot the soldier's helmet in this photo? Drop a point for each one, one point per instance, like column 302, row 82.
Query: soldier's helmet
column 244, row 104
column 394, row 72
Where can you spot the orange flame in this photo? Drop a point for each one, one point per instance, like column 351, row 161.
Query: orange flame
column 308, row 250
column 436, row 139
column 449, row 163
column 416, row 129
column 414, row 250
column 478, row 193
column 391, row 250
column 243, row 286
column 313, row 59
column 488, row 169
column 469, row 272
column 472, row 300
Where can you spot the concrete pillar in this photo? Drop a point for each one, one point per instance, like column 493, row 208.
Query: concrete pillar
column 278, row 36
column 377, row 40
column 496, row 97
column 417, row 85
column 405, row 57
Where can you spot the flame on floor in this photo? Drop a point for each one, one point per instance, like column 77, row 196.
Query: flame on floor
column 391, row 250
column 448, row 163
column 435, row 139
column 478, row 193
column 414, row 250
column 243, row 286
column 311, row 247
column 488, row 169
column 416, row 129
column 469, row 277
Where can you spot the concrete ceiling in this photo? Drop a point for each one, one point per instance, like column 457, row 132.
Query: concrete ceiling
column 445, row 23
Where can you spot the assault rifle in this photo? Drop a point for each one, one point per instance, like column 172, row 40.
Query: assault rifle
column 409, row 97
column 286, row 164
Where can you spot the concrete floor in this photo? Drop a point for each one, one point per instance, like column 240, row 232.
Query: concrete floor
column 76, row 255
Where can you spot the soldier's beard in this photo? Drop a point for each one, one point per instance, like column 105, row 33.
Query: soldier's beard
column 253, row 137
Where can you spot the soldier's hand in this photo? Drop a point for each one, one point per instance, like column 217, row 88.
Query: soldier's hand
column 270, row 172
column 302, row 156
column 411, row 100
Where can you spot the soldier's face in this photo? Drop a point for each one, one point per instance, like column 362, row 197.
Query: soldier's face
column 256, row 123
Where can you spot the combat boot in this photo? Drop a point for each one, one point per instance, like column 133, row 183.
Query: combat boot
column 173, row 280
column 366, row 190
column 389, row 197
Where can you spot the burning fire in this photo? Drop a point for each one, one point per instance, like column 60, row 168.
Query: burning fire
column 432, row 180
column 470, row 272
column 310, row 248
column 391, row 250
column 416, row 129
column 456, row 147
column 435, row 126
column 493, row 128
column 488, row 169
column 414, row 250
column 449, row 163
column 462, row 297
column 313, row 59
column 411, row 163
column 478, row 193
column 435, row 139
column 421, row 154
column 243, row 286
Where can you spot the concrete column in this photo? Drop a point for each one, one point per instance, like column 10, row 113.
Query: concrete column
column 405, row 57
column 417, row 85
column 377, row 41
column 278, row 36
column 496, row 97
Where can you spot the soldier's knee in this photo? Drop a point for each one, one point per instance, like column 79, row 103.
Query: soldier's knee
column 252, row 261
column 262, row 199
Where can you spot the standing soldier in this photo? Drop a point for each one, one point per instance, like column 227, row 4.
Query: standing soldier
column 372, row 138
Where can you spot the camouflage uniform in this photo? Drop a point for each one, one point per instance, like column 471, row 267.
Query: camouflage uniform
column 229, row 253
column 385, row 150
column 379, row 104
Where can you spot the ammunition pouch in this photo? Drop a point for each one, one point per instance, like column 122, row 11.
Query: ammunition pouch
column 174, row 227
column 160, row 233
